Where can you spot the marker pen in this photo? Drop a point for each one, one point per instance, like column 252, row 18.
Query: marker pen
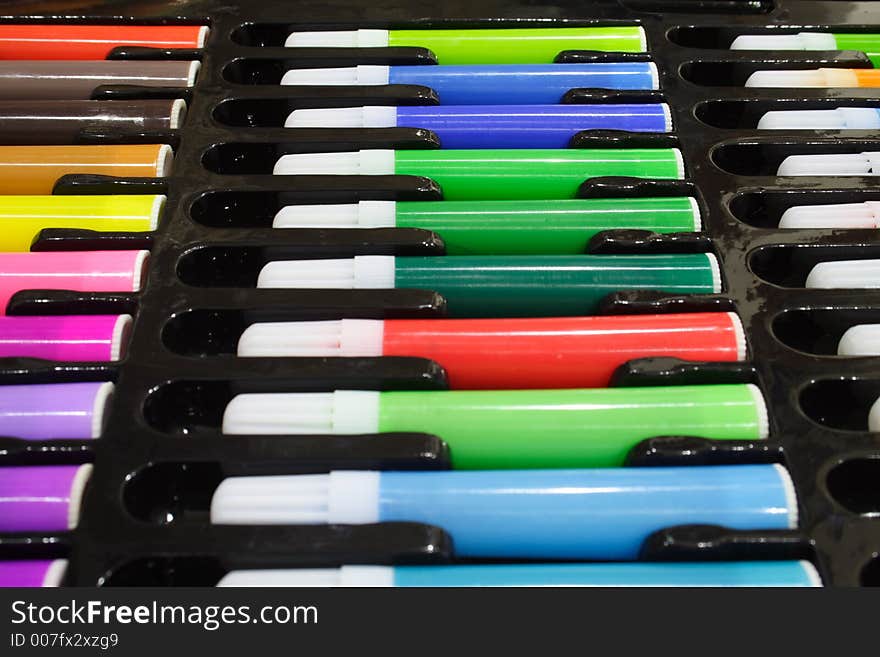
column 494, row 126
column 866, row 43
column 23, row 217
column 860, row 340
column 35, row 169
column 819, row 77
column 536, row 227
column 85, row 271
column 74, row 411
column 603, row 514
column 514, row 429
column 99, row 338
column 41, row 498
column 487, row 46
column 513, row 84
column 505, row 286
column 494, row 174
column 78, row 80
column 74, row 41
column 841, row 274
column 840, row 118
column 61, row 122
column 718, row 573
column 493, row 354
column 839, row 215
column 32, row 573
column 831, row 164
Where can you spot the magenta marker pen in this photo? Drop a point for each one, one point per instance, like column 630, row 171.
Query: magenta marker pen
column 73, row 411
column 97, row 338
column 32, row 573
column 41, row 498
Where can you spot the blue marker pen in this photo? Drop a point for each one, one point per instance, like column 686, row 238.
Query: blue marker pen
column 566, row 514
column 498, row 84
column 724, row 573
column 494, row 126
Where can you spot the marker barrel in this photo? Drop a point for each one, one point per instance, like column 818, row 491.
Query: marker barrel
column 32, row 573
column 98, row 338
column 73, row 411
column 866, row 43
column 495, row 354
column 77, row 80
column 84, row 271
column 23, row 217
column 61, row 122
column 35, row 169
column 41, row 498
column 67, row 42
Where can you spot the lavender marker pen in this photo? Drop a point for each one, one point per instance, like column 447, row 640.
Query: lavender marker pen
column 73, row 411
column 43, row 498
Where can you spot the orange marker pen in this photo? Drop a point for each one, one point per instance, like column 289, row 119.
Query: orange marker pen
column 819, row 77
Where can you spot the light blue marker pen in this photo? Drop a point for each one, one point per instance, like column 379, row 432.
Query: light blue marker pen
column 601, row 514
column 840, row 118
column 725, row 573
column 498, row 84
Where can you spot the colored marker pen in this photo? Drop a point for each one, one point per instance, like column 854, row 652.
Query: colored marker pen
column 840, row 215
column 534, row 227
column 841, row 274
column 494, row 174
column 41, row 498
column 74, row 41
column 840, row 118
column 99, row 338
column 513, row 84
column 494, row 354
column 514, row 429
column 603, row 514
column 74, row 411
column 494, row 126
column 831, row 164
column 35, row 169
column 505, row 286
column 487, row 46
column 819, row 77
column 866, row 43
column 860, row 340
column 23, row 217
column 32, row 573
column 85, row 271
column 719, row 573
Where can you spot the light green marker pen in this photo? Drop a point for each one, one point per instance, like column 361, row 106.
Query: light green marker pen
column 545, row 227
column 495, row 174
column 866, row 43
column 491, row 46
column 515, row 429
column 505, row 286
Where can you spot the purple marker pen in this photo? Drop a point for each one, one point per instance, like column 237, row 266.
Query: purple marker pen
column 54, row 410
column 42, row 498
column 33, row 573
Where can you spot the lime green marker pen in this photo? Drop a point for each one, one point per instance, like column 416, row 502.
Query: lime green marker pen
column 544, row 227
column 491, row 46
column 494, row 173
column 505, row 286
column 515, row 429
column 866, row 43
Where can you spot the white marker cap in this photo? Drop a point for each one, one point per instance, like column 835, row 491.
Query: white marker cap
column 818, row 77
column 55, row 574
column 831, row 164
column 77, row 490
column 799, row 41
column 303, row 413
column 343, row 337
column 845, row 274
column 352, row 163
column 842, row 215
column 842, row 118
column 335, row 498
column 373, row 116
column 338, row 39
column 358, row 273
column 860, row 340
column 101, row 404
column 359, row 76
column 347, row 576
column 874, row 417
column 365, row 214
